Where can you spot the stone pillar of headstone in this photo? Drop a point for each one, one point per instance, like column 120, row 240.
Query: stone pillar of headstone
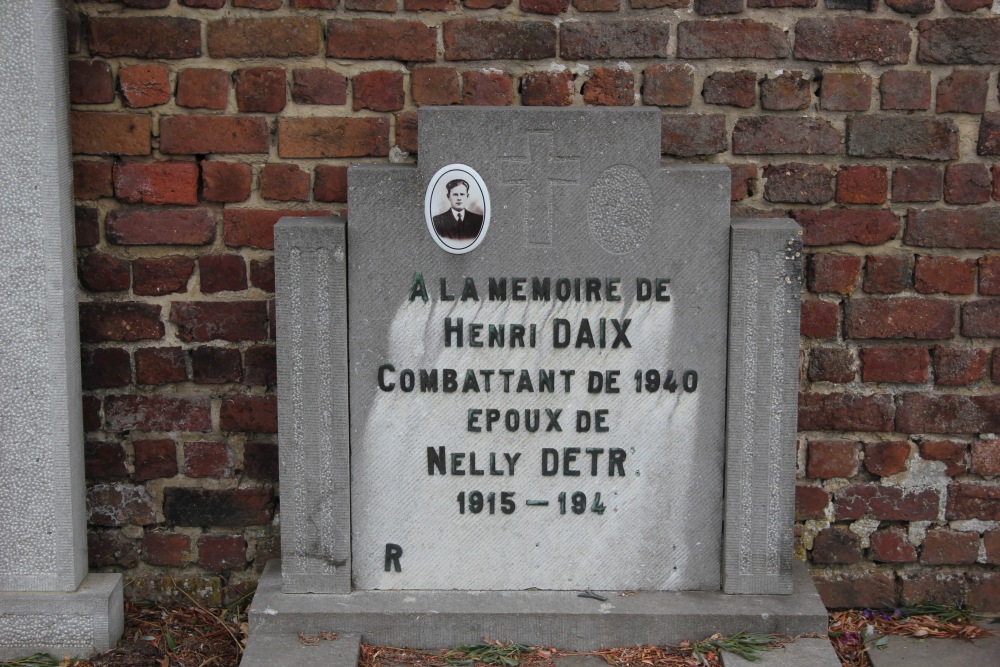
column 48, row 601
column 765, row 283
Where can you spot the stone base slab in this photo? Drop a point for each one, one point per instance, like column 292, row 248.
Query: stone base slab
column 79, row 624
column 437, row 619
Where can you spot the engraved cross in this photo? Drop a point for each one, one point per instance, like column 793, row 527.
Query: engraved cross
column 536, row 175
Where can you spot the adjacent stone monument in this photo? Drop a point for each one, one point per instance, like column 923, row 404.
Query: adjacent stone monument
column 529, row 331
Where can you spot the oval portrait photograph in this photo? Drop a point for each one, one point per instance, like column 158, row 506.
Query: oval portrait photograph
column 457, row 208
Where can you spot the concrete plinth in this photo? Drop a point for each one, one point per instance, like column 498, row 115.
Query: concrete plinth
column 437, row 619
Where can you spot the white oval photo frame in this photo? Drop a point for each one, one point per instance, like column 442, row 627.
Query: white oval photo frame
column 436, row 198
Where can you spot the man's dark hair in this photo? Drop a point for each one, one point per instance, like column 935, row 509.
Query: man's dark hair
column 454, row 184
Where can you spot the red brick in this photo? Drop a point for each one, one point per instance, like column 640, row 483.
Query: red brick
column 838, row 226
column 913, row 184
column 121, row 321
column 406, row 131
column 104, row 460
column 839, row 411
column 906, row 317
column 100, row 272
column 105, row 368
column 850, row 40
column 476, row 39
column 486, row 4
column 985, row 457
column 331, row 183
column 547, row 89
column 262, row 274
column 160, row 227
column 111, row 548
column 254, row 227
column 72, row 31
column 593, row 40
column 984, row 591
column 995, row 170
column 144, row 85
column 949, row 547
column 90, row 82
column 260, row 366
column 841, row 589
column 260, row 461
column 144, row 37
column 989, row 275
column 218, row 507
column 667, row 85
column 911, row 7
column 886, row 458
column 810, row 502
column 776, row 135
column 778, row 4
column 957, row 367
column 819, row 319
column 266, row 5
column 284, row 182
column 168, row 549
column 995, row 367
column 715, row 7
column 161, row 275
column 963, row 91
column 435, row 86
column 260, row 89
column 157, row 413
column 947, row 275
column 378, row 91
column 845, row 92
column 888, row 274
column 948, row 413
column 315, row 85
column 959, row 41
column 92, row 179
column 214, row 134
column 101, row 133
column 91, row 413
column 967, row 184
column 430, row 5
column 371, row 5
column 146, row 4
column 203, row 89
column 743, row 181
column 731, row 38
column 890, row 546
column 973, row 500
column 968, row 5
column 159, row 365
column 119, row 505
column 156, row 182
column 610, row 87
column 885, row 503
column 895, row 364
column 787, row 91
column 930, row 587
column 833, row 273
column 222, row 273
column 207, row 4
column 690, row 135
column 832, row 458
column 992, row 542
column 264, row 37
column 981, row 319
column 548, row 7
column 222, row 552
column 206, row 320
column 905, row 90
column 798, row 183
column 225, row 182
column 255, row 414
column 738, row 89
column 375, row 39
column 208, row 459
column 974, row 228
column 831, row 364
column 836, row 545
column 862, row 185
column 333, row 137
column 952, row 454
column 989, row 134
column 904, row 137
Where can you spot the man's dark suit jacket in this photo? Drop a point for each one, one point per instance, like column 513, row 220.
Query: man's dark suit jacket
column 447, row 227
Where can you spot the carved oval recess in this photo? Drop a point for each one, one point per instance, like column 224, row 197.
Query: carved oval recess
column 619, row 208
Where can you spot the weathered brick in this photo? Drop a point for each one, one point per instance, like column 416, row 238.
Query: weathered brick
column 831, row 364
column 989, row 134
column 787, row 91
column 146, row 4
column 916, row 184
column 161, row 275
column 222, row 552
column 284, row 182
column 333, row 137
column 119, row 321
column 841, row 91
column 260, row 366
column 406, row 131
column 902, row 137
column 206, row 320
column 690, row 135
column 144, row 36
column 262, row 274
column 100, row 272
column 903, row 317
column 981, row 319
column 486, row 4
column 267, row 5
column 260, row 461
column 330, row 183
column 939, row 228
column 430, row 5
column 157, row 413
column 798, row 183
column 890, row 545
column 154, row 459
column 222, row 273
column 264, row 37
column 995, row 170
column 208, row 459
column 476, row 39
column 592, row 40
column 375, row 39
column 967, row 184
column 487, row 89
column 378, row 91
column 610, row 86
column 218, row 507
column 841, row 411
column 737, row 89
column 119, row 504
column 856, row 5
column 906, row 363
column 836, row 545
column 948, row 413
column 929, row 587
column 949, row 547
column 668, row 85
column 836, row 226
column 973, row 500
column 886, row 458
column 833, row 273
column 849, row 40
column 911, row 7
column 73, row 29
column 968, row 5
column 991, row 541
column 160, row 227
column 959, row 366
column 779, row 4
column 315, row 85
column 144, row 85
column 776, row 135
column 989, row 275
column 945, row 275
column 206, row 4
column 203, row 88
column 995, row 366
column 91, row 413
column 829, row 459
column 371, row 5
column 959, row 41
column 111, row 548
column 888, row 274
column 597, row 5
column 743, row 181
column 547, row 89
column 843, row 589
column 716, row 7
column 225, row 182
column 983, row 591
column 985, row 457
column 100, row 133
column 885, row 503
column 436, row 86
column 254, row 227
column 905, row 90
column 104, row 368
column 104, row 460
column 810, row 502
column 92, row 179
column 547, row 7
column 819, row 319
column 963, row 91
column 159, row 365
column 90, row 82
column 256, row 414
column 156, row 182
column 169, row 549
column 214, row 134
column 731, row 38
column 260, row 89
column 862, row 185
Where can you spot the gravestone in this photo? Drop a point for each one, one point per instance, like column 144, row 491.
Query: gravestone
column 528, row 367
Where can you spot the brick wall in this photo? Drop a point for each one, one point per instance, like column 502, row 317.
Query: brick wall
column 198, row 123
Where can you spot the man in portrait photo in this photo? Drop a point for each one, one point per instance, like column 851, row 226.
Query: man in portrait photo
column 458, row 223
